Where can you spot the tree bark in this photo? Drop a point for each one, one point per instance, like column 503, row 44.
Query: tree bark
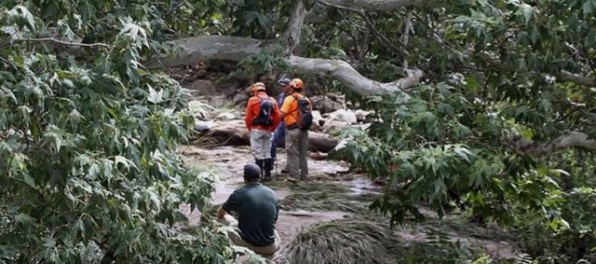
column 570, row 140
column 195, row 49
column 234, row 133
column 375, row 5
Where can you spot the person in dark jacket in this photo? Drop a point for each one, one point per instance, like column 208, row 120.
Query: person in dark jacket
column 257, row 207
column 280, row 131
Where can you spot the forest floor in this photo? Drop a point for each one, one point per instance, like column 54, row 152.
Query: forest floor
column 334, row 194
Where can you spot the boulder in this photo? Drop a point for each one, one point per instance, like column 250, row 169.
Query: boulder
column 203, row 88
column 361, row 115
column 328, row 103
column 333, row 126
column 317, row 121
column 343, row 115
column 226, row 116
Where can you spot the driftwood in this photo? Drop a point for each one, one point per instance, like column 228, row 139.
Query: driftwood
column 234, row 133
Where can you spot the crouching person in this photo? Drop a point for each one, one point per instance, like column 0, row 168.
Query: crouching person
column 257, row 207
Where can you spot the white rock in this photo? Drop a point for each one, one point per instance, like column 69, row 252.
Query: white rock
column 227, row 116
column 343, row 115
column 204, row 125
column 362, row 114
column 332, row 126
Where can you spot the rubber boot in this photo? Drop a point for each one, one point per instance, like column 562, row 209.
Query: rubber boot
column 261, row 164
column 267, row 167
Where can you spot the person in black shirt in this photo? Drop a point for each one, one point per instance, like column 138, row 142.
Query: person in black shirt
column 257, row 207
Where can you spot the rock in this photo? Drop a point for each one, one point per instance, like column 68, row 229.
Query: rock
column 202, row 126
column 200, row 109
column 332, row 126
column 362, row 114
column 317, row 121
column 203, row 87
column 227, row 116
column 343, row 115
column 240, row 98
column 318, row 155
column 327, row 104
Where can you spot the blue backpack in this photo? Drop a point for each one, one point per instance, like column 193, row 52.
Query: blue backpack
column 264, row 117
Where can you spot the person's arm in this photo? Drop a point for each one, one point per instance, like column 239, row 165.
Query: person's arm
column 231, row 205
column 248, row 116
column 276, row 116
column 221, row 212
column 277, row 209
column 285, row 107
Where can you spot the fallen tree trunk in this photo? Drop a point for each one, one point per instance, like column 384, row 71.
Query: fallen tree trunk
column 233, row 133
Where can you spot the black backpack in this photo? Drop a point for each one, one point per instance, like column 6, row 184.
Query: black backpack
column 304, row 113
column 264, row 117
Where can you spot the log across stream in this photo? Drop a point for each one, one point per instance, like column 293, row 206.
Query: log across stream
column 234, row 133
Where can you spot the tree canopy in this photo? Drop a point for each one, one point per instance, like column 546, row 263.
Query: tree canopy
column 490, row 102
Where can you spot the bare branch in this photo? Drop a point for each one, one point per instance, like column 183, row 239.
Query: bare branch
column 237, row 48
column 563, row 75
column 375, row 5
column 195, row 49
column 382, row 38
column 292, row 34
column 348, row 76
column 407, row 29
column 580, row 80
column 69, row 43
column 569, row 140
column 372, row 27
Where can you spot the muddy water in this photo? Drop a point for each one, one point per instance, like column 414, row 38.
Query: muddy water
column 228, row 162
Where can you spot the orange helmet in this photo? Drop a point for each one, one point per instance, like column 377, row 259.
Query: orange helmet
column 296, row 83
column 258, row 86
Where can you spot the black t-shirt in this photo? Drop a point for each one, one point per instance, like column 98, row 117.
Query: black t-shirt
column 257, row 207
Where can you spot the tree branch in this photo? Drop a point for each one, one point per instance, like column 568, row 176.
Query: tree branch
column 348, row 76
column 194, row 49
column 372, row 27
column 69, row 43
column 375, row 5
column 563, row 75
column 230, row 48
column 569, row 140
column 292, row 33
column 580, row 80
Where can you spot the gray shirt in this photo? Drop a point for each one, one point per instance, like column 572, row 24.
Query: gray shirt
column 257, row 207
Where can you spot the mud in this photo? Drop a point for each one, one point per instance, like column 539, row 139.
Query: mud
column 227, row 163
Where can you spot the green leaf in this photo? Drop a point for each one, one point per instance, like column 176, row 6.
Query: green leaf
column 29, row 180
column 527, row 11
column 155, row 97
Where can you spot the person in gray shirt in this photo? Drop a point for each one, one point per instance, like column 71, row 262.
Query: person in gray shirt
column 257, row 207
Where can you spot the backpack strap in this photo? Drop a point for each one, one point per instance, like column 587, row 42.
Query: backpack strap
column 297, row 105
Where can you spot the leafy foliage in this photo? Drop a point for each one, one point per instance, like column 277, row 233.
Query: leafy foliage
column 88, row 151
column 498, row 73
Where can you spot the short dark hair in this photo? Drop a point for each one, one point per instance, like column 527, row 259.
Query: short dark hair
column 252, row 172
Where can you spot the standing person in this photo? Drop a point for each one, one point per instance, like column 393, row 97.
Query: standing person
column 258, row 208
column 280, row 131
column 262, row 117
column 296, row 112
